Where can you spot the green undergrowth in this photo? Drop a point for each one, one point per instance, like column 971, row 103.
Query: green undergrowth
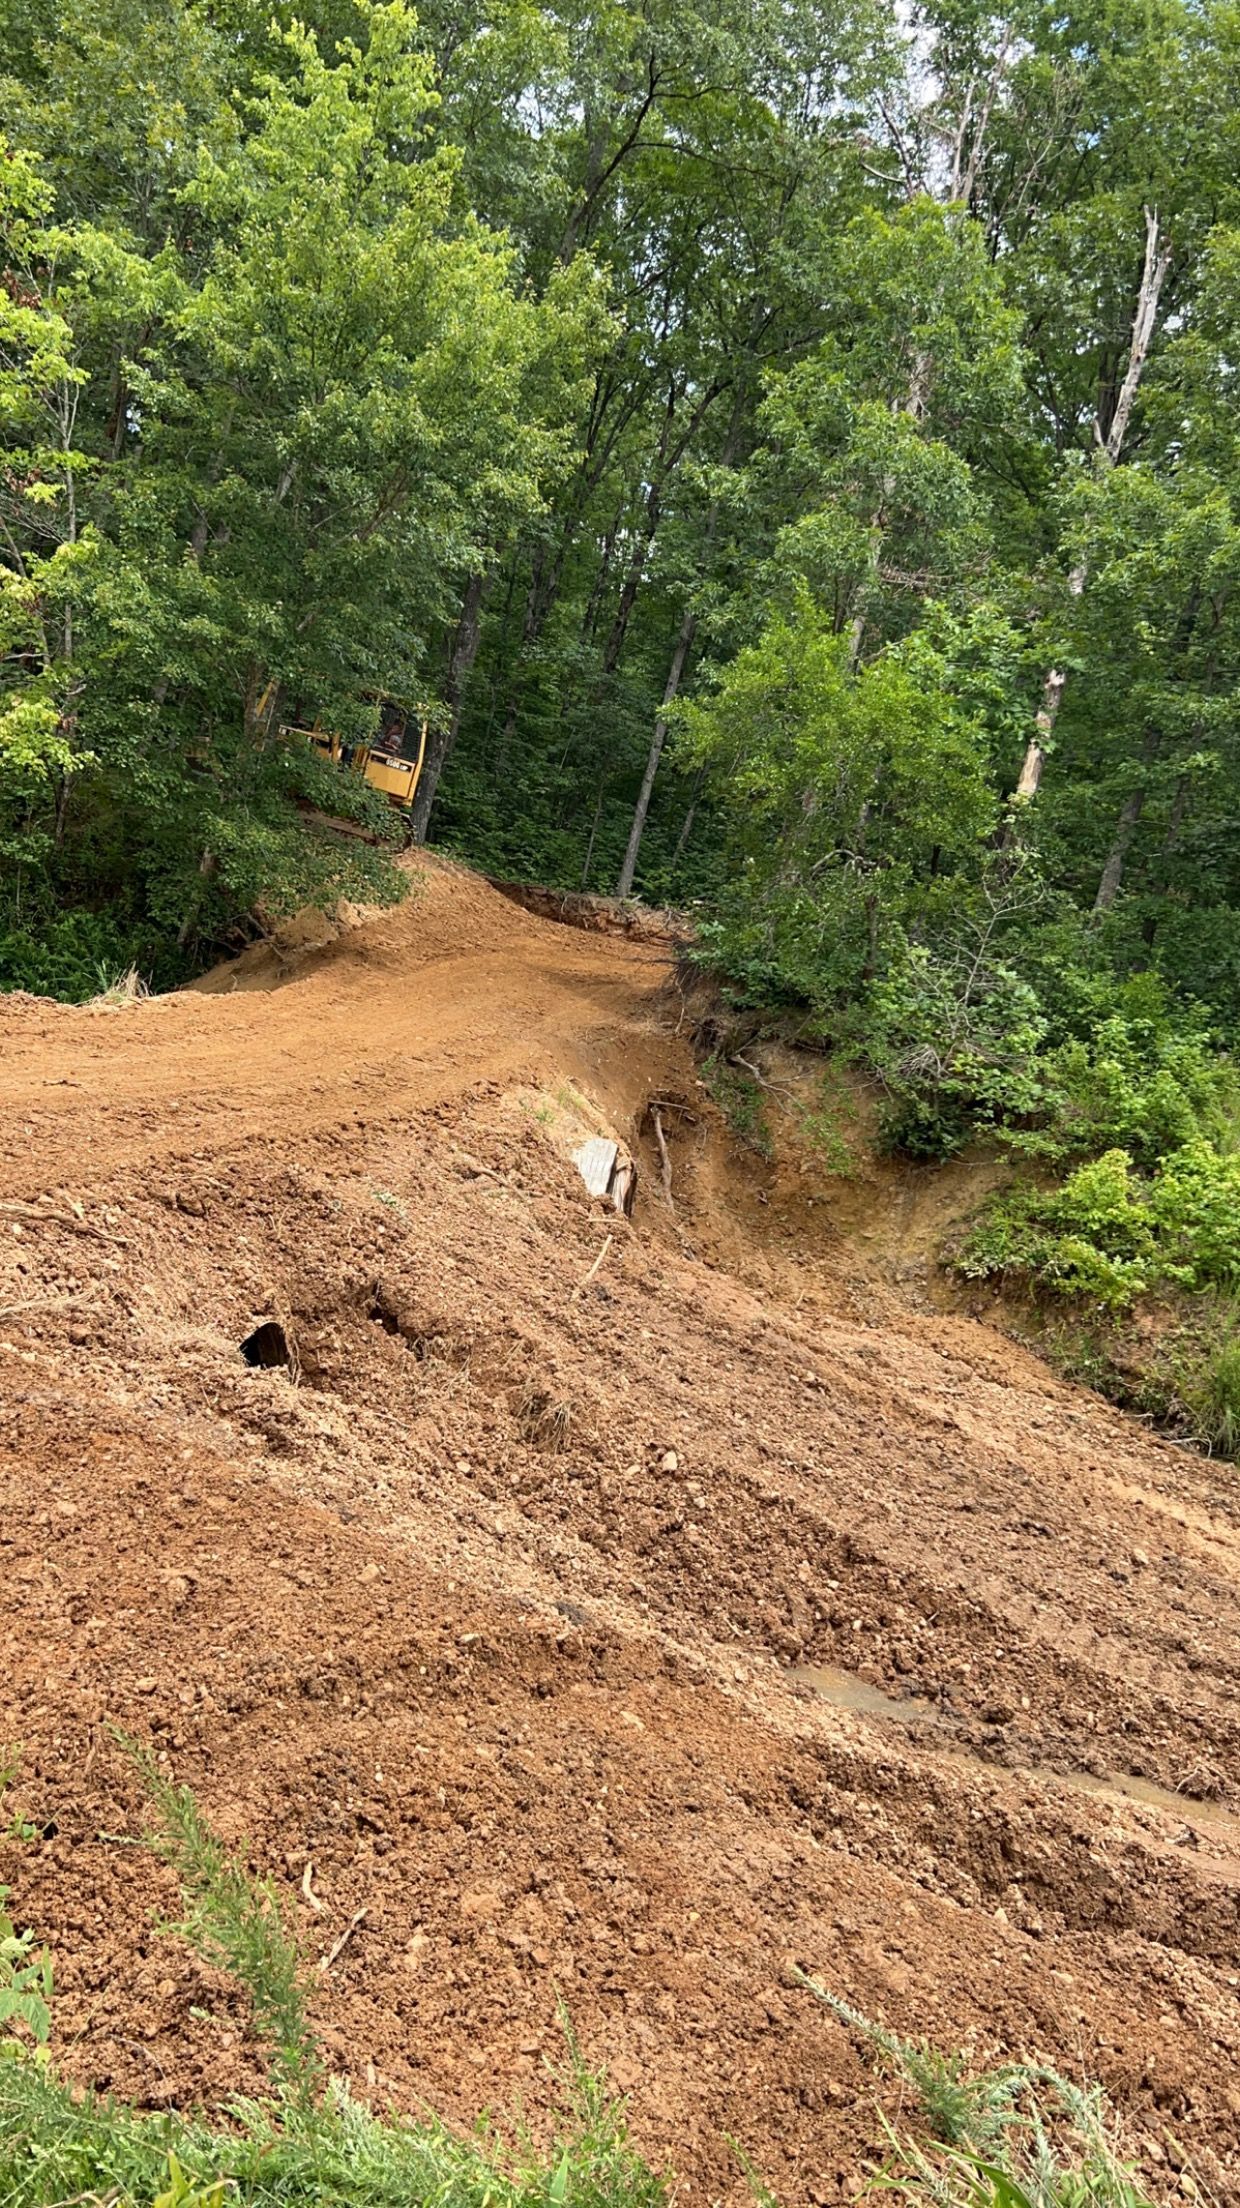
column 1111, row 1234
column 57, row 2145
column 1110, row 1238
column 1184, row 1376
column 306, row 2142
column 1016, row 2135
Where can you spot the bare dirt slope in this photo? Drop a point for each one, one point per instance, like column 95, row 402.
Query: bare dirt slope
column 483, row 1617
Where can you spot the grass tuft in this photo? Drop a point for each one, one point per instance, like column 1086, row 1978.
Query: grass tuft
column 1210, row 1386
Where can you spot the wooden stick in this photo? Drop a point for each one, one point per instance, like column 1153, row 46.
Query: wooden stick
column 664, row 1160
column 308, row 1890
column 584, row 1282
column 344, row 1939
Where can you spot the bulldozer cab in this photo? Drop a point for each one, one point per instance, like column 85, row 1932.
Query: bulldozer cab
column 391, row 760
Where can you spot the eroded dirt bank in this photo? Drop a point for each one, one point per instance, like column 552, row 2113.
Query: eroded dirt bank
column 485, row 1607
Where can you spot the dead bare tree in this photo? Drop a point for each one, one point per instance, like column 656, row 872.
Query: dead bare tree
column 1109, row 441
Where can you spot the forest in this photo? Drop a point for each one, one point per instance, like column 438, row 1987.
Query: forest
column 788, row 452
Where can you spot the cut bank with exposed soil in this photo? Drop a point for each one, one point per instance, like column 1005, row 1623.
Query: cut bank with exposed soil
column 486, row 1605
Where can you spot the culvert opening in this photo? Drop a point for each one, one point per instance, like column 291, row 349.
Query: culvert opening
column 267, row 1347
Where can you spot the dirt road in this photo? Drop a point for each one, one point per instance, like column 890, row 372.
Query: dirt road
column 493, row 1607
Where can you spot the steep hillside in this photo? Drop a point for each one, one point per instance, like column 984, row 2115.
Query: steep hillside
column 492, row 1615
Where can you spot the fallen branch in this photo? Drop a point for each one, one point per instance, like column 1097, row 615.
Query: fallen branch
column 338, row 1949
column 584, row 1282
column 68, row 1219
column 735, row 1059
column 677, row 1106
column 665, row 1162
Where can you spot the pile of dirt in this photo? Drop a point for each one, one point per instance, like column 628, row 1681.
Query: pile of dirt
column 479, row 1601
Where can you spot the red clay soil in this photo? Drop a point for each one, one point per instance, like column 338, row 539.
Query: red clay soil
column 486, row 1608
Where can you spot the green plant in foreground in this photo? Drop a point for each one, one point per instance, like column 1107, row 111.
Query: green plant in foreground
column 25, row 1981
column 58, row 2145
column 1018, row 2136
column 233, row 1919
column 294, row 2148
column 1107, row 1236
column 25, row 1976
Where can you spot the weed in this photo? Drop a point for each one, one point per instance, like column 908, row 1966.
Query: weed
column 962, row 2109
column 57, row 2145
column 120, row 987
column 1019, row 2136
column 18, row 1827
column 390, row 1202
column 1207, row 1379
column 545, row 1421
column 289, row 2150
column 233, row 1920
column 25, row 1980
column 25, row 1977
column 824, row 1126
column 739, row 1097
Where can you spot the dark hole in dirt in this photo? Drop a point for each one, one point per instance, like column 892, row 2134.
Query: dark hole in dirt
column 267, row 1346
column 422, row 1337
column 382, row 1313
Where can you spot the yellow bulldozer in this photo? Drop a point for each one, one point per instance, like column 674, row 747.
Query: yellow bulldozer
column 391, row 761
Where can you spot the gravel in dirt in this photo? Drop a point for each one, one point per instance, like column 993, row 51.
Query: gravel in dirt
column 476, row 1600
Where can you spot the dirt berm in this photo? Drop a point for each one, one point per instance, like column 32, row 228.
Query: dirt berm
column 481, row 1618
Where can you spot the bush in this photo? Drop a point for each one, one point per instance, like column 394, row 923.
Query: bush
column 965, row 1046
column 1093, row 1237
column 1195, row 1210
column 73, row 954
column 1109, row 1236
column 1140, row 1084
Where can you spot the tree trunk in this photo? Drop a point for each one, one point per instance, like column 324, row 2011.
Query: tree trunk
column 1110, row 443
column 686, row 826
column 632, row 579
column 1121, row 843
column 439, row 741
column 1125, row 829
column 684, row 642
column 914, row 406
column 588, row 860
column 1047, row 715
column 207, row 866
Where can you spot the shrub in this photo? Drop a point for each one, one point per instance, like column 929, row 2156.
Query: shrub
column 955, row 1042
column 72, row 954
column 1137, row 1084
column 1195, row 1209
column 1109, row 1236
column 1094, row 1237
